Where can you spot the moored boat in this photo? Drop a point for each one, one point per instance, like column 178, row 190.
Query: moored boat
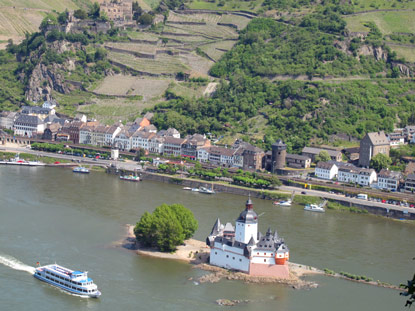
column 314, row 208
column 187, row 188
column 75, row 282
column 130, row 178
column 80, row 169
column 283, row 203
column 206, row 190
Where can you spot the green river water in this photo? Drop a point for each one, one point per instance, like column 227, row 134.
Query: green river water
column 52, row 215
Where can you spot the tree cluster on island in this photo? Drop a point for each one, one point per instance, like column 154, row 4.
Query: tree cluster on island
column 166, row 228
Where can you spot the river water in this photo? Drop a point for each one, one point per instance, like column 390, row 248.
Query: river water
column 52, row 215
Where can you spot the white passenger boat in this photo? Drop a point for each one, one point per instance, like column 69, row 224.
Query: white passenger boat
column 130, row 178
column 80, row 169
column 75, row 282
column 314, row 208
column 17, row 161
column 283, row 203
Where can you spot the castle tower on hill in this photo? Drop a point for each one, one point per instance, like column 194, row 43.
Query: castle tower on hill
column 279, row 154
column 244, row 248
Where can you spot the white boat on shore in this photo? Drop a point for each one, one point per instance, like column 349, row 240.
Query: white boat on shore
column 74, row 282
column 187, row 188
column 283, row 203
column 314, row 208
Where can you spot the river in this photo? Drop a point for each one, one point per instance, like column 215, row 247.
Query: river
column 53, row 215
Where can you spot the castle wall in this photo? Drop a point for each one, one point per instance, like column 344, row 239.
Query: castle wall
column 229, row 259
column 263, row 257
column 277, row 271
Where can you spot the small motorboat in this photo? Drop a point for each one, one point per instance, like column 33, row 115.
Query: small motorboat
column 187, row 188
column 314, row 208
column 283, row 203
column 206, row 190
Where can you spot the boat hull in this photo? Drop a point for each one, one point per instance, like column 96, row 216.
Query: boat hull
column 69, row 290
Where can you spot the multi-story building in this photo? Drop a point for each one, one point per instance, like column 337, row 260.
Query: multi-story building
column 98, row 135
column 85, row 135
column 7, row 119
column 410, row 183
column 312, row 152
column 122, row 140
column 141, row 140
column 252, row 156
column 297, row 161
column 51, row 131
column 28, row 125
column 326, row 170
column 173, row 146
column 389, row 180
column 110, row 134
column 192, row 144
column 352, row 174
column 371, row 145
column 117, row 10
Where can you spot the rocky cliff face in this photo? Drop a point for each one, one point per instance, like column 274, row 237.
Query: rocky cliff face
column 46, row 78
column 43, row 80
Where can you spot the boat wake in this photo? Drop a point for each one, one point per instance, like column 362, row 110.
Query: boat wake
column 15, row 264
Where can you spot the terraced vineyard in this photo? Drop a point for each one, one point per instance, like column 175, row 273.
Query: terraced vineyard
column 217, row 49
column 162, row 65
column 18, row 17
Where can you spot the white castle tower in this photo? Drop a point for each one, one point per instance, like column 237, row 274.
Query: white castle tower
column 247, row 224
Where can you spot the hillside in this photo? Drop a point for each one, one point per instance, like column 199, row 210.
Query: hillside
column 18, row 17
column 319, row 71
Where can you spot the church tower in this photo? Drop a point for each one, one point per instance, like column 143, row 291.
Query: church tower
column 247, row 224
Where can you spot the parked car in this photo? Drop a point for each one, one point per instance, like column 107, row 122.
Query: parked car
column 303, row 192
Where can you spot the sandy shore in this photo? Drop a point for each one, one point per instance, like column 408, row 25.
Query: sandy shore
column 197, row 253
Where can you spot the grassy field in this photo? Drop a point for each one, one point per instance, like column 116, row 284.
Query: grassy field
column 232, row 5
column 365, row 5
column 237, row 20
column 140, row 35
column 186, row 89
column 207, row 18
column 406, row 52
column 129, row 85
column 388, row 22
column 109, row 111
column 162, row 64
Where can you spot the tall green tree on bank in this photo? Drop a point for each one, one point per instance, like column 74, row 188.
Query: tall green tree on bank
column 166, row 228
column 380, row 161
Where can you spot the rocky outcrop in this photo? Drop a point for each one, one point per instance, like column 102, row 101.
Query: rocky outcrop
column 405, row 70
column 378, row 52
column 43, row 80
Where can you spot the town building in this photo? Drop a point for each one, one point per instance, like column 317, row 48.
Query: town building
column 252, row 156
column 122, row 140
column 110, row 134
column 245, row 249
column 141, row 140
column 222, row 156
column 396, row 139
column 173, row 146
column 51, row 131
column 371, row 145
column 156, row 144
column 297, row 161
column 410, row 183
column 312, row 152
column 326, row 170
column 409, row 132
column 7, row 119
column 28, row 125
column 389, row 180
column 356, row 175
column 192, row 144
column 39, row 112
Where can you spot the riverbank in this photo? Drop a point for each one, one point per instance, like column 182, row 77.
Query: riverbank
column 197, row 253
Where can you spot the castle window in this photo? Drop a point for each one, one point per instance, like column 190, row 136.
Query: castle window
column 233, row 258
column 265, row 260
column 240, row 259
column 227, row 256
column 216, row 253
column 265, row 254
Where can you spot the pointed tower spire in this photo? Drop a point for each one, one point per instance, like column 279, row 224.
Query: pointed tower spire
column 249, row 204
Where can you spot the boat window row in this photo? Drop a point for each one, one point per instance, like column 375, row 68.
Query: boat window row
column 72, row 287
column 63, row 278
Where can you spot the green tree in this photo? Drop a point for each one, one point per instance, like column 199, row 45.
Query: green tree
column 380, row 161
column 81, row 14
column 166, row 228
column 94, row 11
column 323, row 156
column 145, row 19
